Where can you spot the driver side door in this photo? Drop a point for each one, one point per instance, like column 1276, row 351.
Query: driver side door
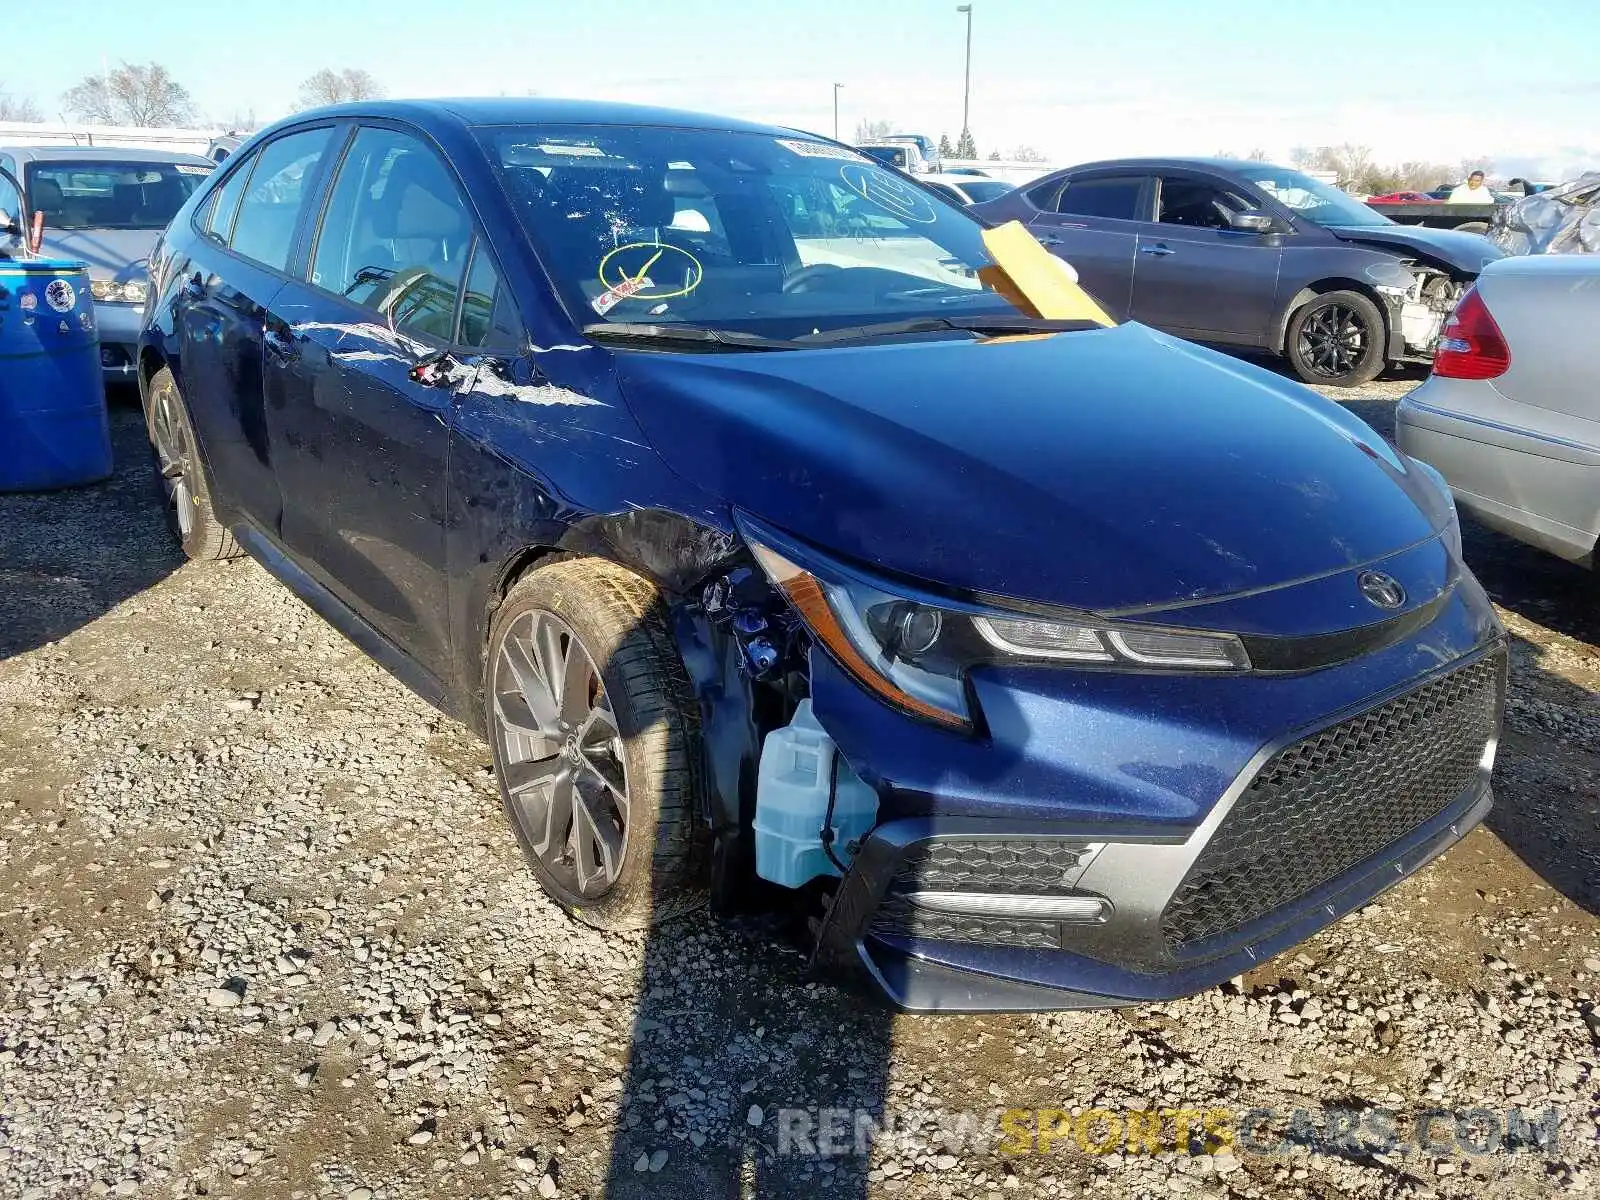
column 363, row 464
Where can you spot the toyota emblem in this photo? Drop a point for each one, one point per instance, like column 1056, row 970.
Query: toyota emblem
column 1384, row 591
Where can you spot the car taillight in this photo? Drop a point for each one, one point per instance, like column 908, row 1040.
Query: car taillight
column 1471, row 346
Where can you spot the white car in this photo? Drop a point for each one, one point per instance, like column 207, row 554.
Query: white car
column 967, row 189
column 1511, row 413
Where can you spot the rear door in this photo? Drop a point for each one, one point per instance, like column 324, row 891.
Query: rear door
column 366, row 443
column 233, row 275
column 1093, row 222
column 1198, row 277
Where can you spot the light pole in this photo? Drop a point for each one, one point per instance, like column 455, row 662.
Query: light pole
column 966, row 84
column 836, row 88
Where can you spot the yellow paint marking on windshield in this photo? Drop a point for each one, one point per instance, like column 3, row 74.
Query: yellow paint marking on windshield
column 1029, row 276
column 614, row 275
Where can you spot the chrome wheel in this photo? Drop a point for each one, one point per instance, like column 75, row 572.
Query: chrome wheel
column 174, row 460
column 560, row 753
column 1333, row 341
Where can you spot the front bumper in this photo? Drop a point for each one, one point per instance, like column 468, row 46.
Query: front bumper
column 119, row 326
column 1318, row 821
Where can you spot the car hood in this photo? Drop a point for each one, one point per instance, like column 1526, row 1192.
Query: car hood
column 1105, row 470
column 118, row 254
column 1466, row 253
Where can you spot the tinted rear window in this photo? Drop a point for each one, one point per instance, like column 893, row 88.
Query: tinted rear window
column 1111, row 196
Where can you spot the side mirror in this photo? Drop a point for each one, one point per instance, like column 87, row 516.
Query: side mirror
column 1250, row 221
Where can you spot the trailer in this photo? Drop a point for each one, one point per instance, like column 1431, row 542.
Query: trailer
column 1439, row 214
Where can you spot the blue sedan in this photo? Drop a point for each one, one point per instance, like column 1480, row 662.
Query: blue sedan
column 749, row 500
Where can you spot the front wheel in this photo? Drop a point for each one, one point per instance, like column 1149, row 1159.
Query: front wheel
column 594, row 732
column 1336, row 340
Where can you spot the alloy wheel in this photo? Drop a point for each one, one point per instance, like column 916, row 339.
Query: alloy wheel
column 1333, row 341
column 560, row 753
column 174, row 460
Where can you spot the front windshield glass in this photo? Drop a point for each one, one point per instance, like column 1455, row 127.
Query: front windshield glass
column 893, row 156
column 775, row 236
column 111, row 195
column 1311, row 198
column 984, row 189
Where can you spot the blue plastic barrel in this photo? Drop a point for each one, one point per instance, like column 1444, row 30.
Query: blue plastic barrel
column 53, row 430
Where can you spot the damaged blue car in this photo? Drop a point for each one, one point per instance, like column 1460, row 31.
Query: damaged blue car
column 787, row 548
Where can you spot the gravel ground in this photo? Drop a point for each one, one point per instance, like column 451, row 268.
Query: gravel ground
column 264, row 933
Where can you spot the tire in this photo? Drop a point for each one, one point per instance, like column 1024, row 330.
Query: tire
column 1473, row 227
column 1336, row 340
column 611, row 865
column 182, row 476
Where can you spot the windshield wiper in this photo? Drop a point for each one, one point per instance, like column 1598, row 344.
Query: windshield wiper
column 683, row 335
column 990, row 326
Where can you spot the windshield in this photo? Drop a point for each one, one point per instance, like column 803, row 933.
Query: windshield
column 1311, row 198
column 894, row 156
column 984, row 189
column 778, row 236
column 111, row 195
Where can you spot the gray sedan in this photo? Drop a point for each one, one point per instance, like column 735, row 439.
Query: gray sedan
column 105, row 207
column 1511, row 414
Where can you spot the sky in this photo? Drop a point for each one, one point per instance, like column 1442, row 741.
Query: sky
column 1436, row 80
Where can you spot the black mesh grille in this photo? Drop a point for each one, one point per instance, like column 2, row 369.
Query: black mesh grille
column 897, row 918
column 1327, row 803
column 1023, row 866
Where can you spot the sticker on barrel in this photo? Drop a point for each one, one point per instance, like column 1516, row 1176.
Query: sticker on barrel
column 60, row 296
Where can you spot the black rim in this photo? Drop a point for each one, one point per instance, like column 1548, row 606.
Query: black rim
column 561, row 754
column 1333, row 341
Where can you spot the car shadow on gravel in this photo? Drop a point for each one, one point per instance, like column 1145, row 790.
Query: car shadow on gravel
column 743, row 1078
column 68, row 557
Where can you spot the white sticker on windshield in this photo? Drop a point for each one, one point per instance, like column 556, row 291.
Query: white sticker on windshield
column 613, row 296
column 576, row 150
column 897, row 197
column 807, row 149
column 191, row 169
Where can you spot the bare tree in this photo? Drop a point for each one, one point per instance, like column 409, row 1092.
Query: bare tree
column 1026, row 154
column 1351, row 163
column 18, row 108
column 1419, row 176
column 328, row 86
column 871, row 131
column 1302, row 157
column 1257, row 155
column 1469, row 165
column 132, row 94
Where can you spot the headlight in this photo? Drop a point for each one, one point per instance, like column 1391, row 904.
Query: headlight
column 108, row 291
column 916, row 654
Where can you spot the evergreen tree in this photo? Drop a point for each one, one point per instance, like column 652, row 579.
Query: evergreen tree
column 965, row 146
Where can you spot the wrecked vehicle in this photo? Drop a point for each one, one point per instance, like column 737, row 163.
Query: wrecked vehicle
column 1564, row 219
column 1036, row 661
column 1238, row 253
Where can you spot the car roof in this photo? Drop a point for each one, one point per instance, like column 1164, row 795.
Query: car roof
column 959, row 180
column 102, row 154
column 538, row 110
column 1171, row 164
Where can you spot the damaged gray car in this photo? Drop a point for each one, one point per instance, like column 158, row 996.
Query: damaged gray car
column 1564, row 219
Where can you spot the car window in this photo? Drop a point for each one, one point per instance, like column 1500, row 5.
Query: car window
column 270, row 209
column 1198, row 204
column 225, row 204
column 488, row 318
column 1104, row 196
column 10, row 202
column 395, row 234
column 112, row 194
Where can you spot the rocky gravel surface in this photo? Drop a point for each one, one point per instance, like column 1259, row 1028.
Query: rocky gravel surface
column 264, row 932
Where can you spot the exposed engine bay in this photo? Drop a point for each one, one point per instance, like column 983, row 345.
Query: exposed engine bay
column 1426, row 306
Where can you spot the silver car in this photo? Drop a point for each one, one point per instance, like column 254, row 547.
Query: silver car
column 104, row 206
column 1511, row 413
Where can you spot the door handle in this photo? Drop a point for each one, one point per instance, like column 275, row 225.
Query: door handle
column 1160, row 250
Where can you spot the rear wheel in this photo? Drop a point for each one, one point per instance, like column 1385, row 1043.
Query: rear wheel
column 1336, row 340
column 182, row 476
column 595, row 733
